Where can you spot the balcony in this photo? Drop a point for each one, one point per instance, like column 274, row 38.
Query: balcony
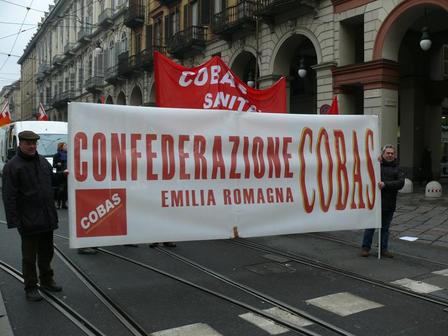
column 111, row 75
column 146, row 57
column 268, row 9
column 63, row 98
column 70, row 48
column 84, row 35
column 135, row 14
column 189, row 40
column 44, row 69
column 105, row 18
column 235, row 18
column 126, row 65
column 94, row 84
column 58, row 59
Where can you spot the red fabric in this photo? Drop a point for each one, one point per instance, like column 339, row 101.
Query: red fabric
column 217, row 87
column 334, row 108
column 5, row 116
column 41, row 114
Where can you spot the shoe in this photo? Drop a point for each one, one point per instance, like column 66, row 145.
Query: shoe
column 51, row 287
column 364, row 253
column 33, row 295
column 153, row 245
column 87, row 250
column 169, row 244
column 386, row 254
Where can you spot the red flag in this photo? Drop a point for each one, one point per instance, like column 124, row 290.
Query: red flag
column 334, row 108
column 212, row 85
column 5, row 116
column 41, row 114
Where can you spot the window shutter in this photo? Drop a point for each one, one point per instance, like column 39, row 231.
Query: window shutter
column 167, row 29
column 205, row 11
column 149, row 39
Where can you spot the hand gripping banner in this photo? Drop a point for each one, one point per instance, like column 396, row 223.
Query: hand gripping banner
column 212, row 85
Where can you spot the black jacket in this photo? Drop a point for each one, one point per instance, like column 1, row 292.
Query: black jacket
column 28, row 194
column 393, row 178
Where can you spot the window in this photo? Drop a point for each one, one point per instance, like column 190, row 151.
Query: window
column 124, row 43
column 110, row 58
column 174, row 18
column 351, row 40
column 158, row 28
column 138, row 42
column 217, row 6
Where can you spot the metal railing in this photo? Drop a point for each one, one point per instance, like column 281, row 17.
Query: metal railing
column 191, row 36
column 234, row 15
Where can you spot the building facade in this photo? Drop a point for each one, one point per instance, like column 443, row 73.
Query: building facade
column 12, row 95
column 367, row 52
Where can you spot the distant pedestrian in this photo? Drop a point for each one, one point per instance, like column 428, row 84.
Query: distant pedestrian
column 392, row 180
column 29, row 206
column 60, row 164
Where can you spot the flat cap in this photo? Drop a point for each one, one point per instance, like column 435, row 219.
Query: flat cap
column 28, row 135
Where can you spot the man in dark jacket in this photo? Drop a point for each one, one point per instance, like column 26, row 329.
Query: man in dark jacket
column 392, row 180
column 29, row 207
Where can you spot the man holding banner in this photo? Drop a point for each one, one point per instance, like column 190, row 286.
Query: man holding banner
column 392, row 180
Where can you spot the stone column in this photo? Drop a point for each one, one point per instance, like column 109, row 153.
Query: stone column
column 383, row 103
column 324, row 79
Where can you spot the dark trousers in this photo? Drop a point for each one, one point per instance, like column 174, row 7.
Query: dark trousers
column 386, row 219
column 37, row 248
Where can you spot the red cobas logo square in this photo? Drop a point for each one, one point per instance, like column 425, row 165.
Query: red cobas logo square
column 101, row 212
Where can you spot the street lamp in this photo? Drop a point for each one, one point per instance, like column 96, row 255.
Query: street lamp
column 250, row 80
column 425, row 40
column 302, row 70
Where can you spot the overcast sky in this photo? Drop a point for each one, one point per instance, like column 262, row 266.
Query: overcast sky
column 12, row 14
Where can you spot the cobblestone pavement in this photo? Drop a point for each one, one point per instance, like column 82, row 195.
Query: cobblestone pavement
column 421, row 217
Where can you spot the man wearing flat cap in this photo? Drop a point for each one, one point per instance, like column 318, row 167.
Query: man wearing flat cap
column 29, row 206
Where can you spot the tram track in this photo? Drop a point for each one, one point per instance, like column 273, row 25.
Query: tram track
column 266, row 298
column 79, row 321
column 291, row 326
column 281, row 305
column 323, row 266
column 122, row 316
column 352, row 244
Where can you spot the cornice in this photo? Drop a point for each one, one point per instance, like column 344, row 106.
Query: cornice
column 345, row 5
column 380, row 73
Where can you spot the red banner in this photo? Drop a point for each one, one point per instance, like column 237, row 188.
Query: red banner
column 212, row 85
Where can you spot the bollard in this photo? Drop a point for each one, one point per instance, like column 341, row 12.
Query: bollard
column 408, row 187
column 433, row 190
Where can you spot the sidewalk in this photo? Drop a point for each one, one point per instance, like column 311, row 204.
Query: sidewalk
column 421, row 217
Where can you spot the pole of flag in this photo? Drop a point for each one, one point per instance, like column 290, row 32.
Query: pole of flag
column 41, row 114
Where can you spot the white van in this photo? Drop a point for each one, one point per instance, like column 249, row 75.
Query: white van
column 50, row 132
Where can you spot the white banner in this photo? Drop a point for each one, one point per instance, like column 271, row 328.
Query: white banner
column 142, row 174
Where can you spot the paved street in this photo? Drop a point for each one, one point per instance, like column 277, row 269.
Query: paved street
column 421, row 217
column 153, row 287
